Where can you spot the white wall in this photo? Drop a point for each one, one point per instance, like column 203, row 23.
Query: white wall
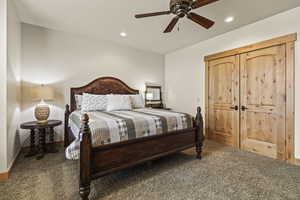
column 13, row 82
column 3, row 58
column 10, row 59
column 184, row 69
column 64, row 60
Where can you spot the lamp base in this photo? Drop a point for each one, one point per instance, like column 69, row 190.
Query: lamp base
column 41, row 112
column 42, row 121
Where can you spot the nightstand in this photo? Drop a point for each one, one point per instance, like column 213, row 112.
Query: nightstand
column 43, row 129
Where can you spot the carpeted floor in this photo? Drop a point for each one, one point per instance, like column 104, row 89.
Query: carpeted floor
column 224, row 173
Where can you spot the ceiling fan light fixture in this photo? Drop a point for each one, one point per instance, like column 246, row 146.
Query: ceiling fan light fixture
column 229, row 19
column 123, row 34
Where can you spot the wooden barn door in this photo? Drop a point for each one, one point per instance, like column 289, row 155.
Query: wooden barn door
column 223, row 100
column 262, row 94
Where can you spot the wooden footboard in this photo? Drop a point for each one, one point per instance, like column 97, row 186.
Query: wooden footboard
column 100, row 161
column 130, row 153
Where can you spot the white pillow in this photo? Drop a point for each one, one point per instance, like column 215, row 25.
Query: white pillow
column 137, row 101
column 78, row 100
column 118, row 102
column 91, row 102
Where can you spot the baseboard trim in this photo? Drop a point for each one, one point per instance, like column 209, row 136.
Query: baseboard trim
column 5, row 175
column 297, row 161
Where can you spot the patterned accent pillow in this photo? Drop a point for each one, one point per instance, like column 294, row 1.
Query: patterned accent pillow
column 137, row 101
column 118, row 102
column 91, row 102
column 78, row 100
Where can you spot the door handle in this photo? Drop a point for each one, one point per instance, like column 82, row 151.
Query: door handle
column 234, row 108
column 243, row 108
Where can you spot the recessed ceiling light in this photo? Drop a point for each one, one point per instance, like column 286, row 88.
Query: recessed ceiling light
column 123, row 34
column 229, row 19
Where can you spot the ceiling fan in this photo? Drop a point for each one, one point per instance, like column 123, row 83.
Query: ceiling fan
column 182, row 8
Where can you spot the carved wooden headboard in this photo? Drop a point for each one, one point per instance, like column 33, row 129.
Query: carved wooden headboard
column 103, row 85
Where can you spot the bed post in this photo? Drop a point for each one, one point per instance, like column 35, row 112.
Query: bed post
column 199, row 133
column 66, row 136
column 85, row 158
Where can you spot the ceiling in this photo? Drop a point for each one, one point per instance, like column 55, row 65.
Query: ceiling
column 105, row 19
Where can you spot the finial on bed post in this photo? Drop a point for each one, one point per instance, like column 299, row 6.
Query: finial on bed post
column 66, row 134
column 199, row 133
column 85, row 158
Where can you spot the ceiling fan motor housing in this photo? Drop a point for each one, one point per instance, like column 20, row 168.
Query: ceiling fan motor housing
column 181, row 7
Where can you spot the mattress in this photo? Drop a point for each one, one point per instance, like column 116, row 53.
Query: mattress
column 117, row 126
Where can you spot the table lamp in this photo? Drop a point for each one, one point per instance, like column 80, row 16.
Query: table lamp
column 42, row 93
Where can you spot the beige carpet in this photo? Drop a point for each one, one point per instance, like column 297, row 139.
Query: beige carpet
column 224, row 173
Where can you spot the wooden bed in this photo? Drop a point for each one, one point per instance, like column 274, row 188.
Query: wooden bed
column 99, row 161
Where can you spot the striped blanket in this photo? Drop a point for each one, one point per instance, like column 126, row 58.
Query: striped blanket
column 116, row 126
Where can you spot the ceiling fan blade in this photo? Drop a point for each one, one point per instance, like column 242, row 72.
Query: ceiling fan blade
column 200, row 3
column 206, row 23
column 153, row 14
column 171, row 25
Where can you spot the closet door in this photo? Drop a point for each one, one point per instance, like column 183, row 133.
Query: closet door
column 263, row 101
column 223, row 100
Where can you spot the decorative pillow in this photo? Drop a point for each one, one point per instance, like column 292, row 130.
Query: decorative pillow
column 137, row 101
column 118, row 102
column 91, row 102
column 78, row 100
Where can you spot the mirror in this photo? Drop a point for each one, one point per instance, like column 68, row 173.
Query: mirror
column 153, row 94
column 153, row 97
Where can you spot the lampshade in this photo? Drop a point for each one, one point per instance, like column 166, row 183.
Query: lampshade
column 42, row 92
column 149, row 96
